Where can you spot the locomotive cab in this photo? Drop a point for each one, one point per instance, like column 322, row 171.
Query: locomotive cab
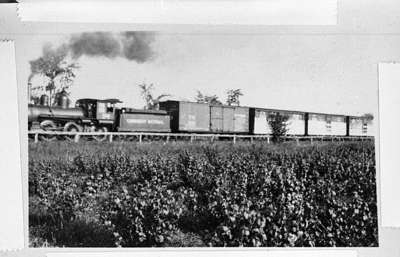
column 101, row 111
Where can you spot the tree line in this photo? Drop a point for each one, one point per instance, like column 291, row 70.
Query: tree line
column 152, row 101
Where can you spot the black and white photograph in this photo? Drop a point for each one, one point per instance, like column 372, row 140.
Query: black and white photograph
column 156, row 139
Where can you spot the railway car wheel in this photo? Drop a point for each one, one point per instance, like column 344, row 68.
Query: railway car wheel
column 99, row 138
column 48, row 125
column 71, row 127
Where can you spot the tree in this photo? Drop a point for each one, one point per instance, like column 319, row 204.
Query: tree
column 210, row 99
column 53, row 66
column 278, row 125
column 152, row 103
column 368, row 116
column 233, row 96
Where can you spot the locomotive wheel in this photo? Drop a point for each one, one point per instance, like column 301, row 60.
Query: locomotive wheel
column 99, row 138
column 71, row 127
column 48, row 125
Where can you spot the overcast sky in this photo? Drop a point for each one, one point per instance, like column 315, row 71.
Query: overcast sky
column 322, row 73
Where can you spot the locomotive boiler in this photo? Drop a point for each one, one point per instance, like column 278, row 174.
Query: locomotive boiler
column 38, row 112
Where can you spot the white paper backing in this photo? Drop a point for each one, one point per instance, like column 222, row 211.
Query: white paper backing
column 252, row 12
column 11, row 213
column 389, row 104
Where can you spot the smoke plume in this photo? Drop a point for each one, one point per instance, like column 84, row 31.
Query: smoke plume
column 94, row 44
column 131, row 45
column 137, row 46
column 134, row 46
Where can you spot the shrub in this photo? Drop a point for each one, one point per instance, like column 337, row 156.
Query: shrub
column 203, row 195
column 278, row 125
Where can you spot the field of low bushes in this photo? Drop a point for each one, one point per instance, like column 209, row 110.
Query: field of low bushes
column 178, row 194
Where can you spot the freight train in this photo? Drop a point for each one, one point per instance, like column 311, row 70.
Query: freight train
column 94, row 115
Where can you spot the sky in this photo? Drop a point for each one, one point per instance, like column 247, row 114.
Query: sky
column 330, row 73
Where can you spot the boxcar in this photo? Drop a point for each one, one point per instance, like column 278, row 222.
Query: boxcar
column 360, row 126
column 134, row 120
column 229, row 119
column 326, row 124
column 187, row 116
column 260, row 121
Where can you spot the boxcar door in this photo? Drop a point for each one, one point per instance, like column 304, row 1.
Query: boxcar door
column 241, row 120
column 228, row 118
column 216, row 118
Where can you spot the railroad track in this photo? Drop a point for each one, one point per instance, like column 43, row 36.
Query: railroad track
column 140, row 137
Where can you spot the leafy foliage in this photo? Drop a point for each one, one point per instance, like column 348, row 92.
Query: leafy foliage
column 210, row 99
column 202, row 195
column 368, row 116
column 54, row 66
column 152, row 103
column 233, row 96
column 278, row 125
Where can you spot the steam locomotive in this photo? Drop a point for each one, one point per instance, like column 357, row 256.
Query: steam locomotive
column 94, row 115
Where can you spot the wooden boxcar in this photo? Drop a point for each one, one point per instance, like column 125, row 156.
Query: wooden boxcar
column 361, row 126
column 260, row 117
column 229, row 119
column 187, row 116
column 326, row 124
column 206, row 118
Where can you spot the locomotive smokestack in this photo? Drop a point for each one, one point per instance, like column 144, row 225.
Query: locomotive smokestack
column 44, row 100
column 62, row 99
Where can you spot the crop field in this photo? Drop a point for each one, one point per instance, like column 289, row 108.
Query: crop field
column 180, row 194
